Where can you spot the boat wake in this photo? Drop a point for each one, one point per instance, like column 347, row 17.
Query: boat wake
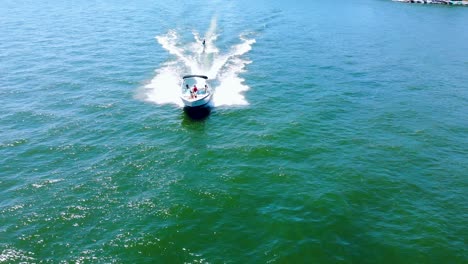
column 222, row 68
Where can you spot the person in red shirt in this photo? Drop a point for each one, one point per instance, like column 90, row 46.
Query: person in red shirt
column 195, row 90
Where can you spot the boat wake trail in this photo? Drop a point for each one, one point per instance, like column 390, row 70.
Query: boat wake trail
column 222, row 68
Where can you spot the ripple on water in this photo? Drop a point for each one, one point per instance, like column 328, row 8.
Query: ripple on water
column 9, row 255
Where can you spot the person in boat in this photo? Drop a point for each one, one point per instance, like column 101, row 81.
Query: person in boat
column 195, row 90
column 206, row 88
column 188, row 88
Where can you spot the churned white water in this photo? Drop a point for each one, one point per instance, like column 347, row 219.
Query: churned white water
column 223, row 68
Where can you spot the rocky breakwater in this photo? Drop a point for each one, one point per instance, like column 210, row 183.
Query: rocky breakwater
column 440, row 2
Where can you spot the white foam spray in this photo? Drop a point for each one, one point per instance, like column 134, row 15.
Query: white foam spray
column 222, row 69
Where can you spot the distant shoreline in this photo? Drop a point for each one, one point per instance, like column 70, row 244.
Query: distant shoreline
column 439, row 2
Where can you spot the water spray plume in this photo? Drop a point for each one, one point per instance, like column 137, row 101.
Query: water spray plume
column 194, row 58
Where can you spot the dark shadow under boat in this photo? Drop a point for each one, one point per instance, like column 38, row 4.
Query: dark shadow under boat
column 198, row 113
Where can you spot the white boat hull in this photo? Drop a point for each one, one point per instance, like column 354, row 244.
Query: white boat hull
column 200, row 100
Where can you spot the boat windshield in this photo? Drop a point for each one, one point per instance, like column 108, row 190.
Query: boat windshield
column 195, row 76
column 190, row 81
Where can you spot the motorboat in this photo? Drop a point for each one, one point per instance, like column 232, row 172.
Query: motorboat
column 195, row 91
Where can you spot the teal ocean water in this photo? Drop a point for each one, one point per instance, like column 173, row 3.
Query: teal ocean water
column 338, row 132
